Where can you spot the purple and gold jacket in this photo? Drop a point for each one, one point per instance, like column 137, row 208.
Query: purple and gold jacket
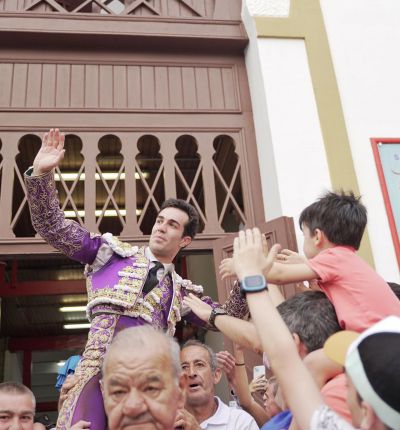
column 115, row 271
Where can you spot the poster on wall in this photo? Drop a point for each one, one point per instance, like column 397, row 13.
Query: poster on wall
column 387, row 158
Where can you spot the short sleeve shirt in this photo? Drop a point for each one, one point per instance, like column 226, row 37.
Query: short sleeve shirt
column 360, row 296
column 226, row 418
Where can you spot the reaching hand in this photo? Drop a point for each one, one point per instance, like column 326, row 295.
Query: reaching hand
column 51, row 152
column 286, row 256
column 200, row 308
column 226, row 268
column 248, row 256
column 227, row 362
column 69, row 383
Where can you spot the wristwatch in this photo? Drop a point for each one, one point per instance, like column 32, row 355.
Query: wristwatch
column 253, row 284
column 214, row 313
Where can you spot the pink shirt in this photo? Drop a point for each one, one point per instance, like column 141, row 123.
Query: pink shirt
column 360, row 296
column 334, row 395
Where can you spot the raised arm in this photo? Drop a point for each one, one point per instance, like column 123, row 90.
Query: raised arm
column 47, row 218
column 303, row 397
column 240, row 385
column 281, row 273
column 295, row 269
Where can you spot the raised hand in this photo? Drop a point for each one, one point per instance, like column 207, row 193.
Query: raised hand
column 200, row 308
column 51, row 152
column 69, row 383
column 226, row 268
column 248, row 255
column 227, row 362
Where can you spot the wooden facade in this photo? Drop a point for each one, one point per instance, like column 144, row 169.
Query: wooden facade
column 153, row 97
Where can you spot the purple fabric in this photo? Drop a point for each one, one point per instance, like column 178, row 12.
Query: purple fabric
column 48, row 220
column 115, row 299
column 107, row 276
column 88, row 251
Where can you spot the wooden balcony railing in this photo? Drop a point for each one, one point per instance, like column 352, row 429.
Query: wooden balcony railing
column 117, row 182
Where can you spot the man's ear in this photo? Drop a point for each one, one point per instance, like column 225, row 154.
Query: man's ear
column 182, row 390
column 185, row 241
column 301, row 348
column 217, row 375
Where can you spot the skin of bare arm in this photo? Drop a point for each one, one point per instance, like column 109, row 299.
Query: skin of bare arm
column 287, row 273
column 275, row 337
column 321, row 367
column 275, row 294
column 243, row 392
column 279, row 273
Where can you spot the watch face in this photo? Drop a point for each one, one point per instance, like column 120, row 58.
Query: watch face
column 254, row 283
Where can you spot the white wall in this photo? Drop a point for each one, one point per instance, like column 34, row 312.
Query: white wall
column 364, row 37
column 265, row 149
column 287, row 125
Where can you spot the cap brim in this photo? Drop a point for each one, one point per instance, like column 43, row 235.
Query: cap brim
column 338, row 344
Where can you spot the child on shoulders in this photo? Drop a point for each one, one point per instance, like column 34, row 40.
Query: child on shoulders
column 333, row 227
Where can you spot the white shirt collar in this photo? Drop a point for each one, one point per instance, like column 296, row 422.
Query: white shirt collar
column 221, row 415
column 168, row 267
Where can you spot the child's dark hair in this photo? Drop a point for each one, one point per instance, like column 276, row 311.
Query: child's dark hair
column 341, row 216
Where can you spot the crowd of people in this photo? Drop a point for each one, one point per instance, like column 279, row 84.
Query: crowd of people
column 330, row 353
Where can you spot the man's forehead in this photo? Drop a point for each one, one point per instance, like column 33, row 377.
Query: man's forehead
column 139, row 362
column 174, row 214
column 195, row 352
column 16, row 402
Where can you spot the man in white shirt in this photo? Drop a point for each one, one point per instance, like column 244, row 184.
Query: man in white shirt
column 203, row 410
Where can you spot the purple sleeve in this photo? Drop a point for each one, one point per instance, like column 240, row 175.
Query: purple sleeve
column 48, row 220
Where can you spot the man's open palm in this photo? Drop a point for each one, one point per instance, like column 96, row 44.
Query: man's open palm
column 51, row 152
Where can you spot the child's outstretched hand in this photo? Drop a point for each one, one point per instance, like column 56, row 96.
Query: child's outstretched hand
column 226, row 268
column 286, row 256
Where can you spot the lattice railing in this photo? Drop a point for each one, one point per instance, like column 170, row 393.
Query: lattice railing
column 138, row 8
column 118, row 183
